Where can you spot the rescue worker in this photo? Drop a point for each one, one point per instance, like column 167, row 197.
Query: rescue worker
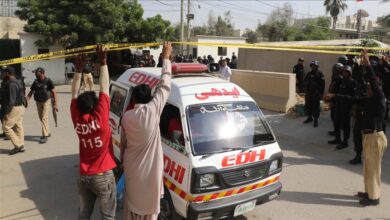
column 314, row 84
column 343, row 109
column 141, row 150
column 374, row 139
column 90, row 116
column 43, row 90
column 12, row 110
column 334, row 88
column 298, row 70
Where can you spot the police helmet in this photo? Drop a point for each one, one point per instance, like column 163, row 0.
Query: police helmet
column 343, row 59
column 374, row 63
column 348, row 68
column 315, row 63
column 338, row 66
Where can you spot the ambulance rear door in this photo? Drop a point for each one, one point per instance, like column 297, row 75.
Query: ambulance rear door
column 120, row 98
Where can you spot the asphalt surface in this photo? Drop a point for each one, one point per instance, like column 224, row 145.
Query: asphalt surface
column 318, row 182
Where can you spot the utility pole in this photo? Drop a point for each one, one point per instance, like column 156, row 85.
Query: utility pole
column 188, row 27
column 189, row 17
column 181, row 26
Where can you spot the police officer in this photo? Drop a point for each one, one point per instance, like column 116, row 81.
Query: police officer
column 343, row 108
column 43, row 90
column 12, row 110
column 299, row 74
column 314, row 84
column 374, row 139
column 334, row 88
column 343, row 60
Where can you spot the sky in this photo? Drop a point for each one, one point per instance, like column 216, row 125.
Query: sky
column 246, row 14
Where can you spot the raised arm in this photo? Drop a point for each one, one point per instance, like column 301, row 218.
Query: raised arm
column 370, row 75
column 104, row 76
column 80, row 62
column 163, row 89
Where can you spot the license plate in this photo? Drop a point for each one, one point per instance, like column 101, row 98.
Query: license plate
column 243, row 208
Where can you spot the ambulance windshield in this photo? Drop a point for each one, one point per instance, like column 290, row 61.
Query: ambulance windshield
column 220, row 126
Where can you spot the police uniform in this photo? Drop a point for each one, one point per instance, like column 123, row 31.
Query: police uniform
column 343, row 111
column 314, row 87
column 12, row 111
column 42, row 96
column 299, row 74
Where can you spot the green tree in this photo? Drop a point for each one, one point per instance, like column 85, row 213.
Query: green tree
column 334, row 7
column 251, row 36
column 223, row 26
column 278, row 24
column 78, row 23
column 318, row 29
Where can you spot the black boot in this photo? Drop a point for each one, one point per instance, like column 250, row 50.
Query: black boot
column 356, row 160
column 308, row 120
column 335, row 141
column 341, row 146
column 315, row 122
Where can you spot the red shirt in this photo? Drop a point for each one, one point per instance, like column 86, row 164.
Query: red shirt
column 95, row 144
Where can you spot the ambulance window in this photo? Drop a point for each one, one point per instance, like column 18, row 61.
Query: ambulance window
column 118, row 98
column 170, row 125
column 216, row 127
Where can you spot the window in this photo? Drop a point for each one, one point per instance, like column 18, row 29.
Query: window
column 215, row 127
column 222, row 51
column 118, row 98
column 171, row 128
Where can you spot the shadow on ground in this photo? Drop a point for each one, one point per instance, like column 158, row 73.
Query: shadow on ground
column 320, row 198
column 52, row 181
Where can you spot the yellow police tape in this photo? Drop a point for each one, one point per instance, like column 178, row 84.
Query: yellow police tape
column 342, row 50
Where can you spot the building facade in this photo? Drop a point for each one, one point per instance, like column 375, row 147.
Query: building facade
column 214, row 51
column 8, row 8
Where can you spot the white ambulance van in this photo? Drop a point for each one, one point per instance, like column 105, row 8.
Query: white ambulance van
column 221, row 158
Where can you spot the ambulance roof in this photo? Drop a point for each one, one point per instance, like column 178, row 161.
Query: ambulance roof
column 188, row 89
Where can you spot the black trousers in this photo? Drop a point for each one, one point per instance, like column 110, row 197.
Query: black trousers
column 312, row 104
column 357, row 137
column 332, row 114
column 342, row 122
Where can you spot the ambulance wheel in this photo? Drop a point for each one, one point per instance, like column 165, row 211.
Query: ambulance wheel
column 167, row 211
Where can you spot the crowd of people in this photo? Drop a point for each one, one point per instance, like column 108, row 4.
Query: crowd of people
column 359, row 88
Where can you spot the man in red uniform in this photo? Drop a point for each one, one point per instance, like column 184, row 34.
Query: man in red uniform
column 90, row 119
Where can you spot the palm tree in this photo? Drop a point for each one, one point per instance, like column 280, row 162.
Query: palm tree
column 334, row 7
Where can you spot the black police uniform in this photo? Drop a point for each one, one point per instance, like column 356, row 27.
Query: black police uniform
column 334, row 89
column 314, row 84
column 343, row 111
column 299, row 75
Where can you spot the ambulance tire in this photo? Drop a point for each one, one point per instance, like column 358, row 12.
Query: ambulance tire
column 167, row 211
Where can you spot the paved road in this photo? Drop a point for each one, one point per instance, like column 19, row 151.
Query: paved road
column 318, row 182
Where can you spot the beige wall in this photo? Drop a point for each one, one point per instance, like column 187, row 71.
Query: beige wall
column 10, row 27
column 284, row 61
column 272, row 91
